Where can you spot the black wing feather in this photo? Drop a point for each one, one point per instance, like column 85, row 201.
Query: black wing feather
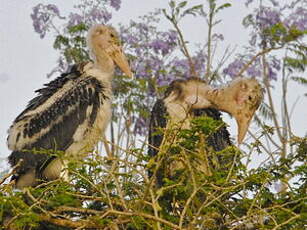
column 219, row 140
column 88, row 92
column 50, row 88
column 158, row 121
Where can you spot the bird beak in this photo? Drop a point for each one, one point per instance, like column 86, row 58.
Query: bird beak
column 243, row 121
column 117, row 55
column 241, row 99
column 247, row 100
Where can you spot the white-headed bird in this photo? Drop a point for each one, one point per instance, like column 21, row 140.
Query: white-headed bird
column 70, row 114
column 185, row 99
column 240, row 98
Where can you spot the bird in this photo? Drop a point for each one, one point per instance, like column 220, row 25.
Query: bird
column 185, row 99
column 69, row 115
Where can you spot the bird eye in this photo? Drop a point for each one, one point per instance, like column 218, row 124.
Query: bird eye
column 250, row 98
column 112, row 36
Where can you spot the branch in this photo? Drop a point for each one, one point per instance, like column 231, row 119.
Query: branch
column 286, row 222
column 210, row 26
column 245, row 67
column 68, row 223
column 147, row 216
column 11, row 173
column 184, row 49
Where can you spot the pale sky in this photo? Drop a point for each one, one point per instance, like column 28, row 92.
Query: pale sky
column 25, row 59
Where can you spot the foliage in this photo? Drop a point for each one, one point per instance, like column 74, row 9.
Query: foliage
column 117, row 193
column 201, row 188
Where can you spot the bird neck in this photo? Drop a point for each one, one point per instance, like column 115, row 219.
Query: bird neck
column 104, row 63
column 222, row 99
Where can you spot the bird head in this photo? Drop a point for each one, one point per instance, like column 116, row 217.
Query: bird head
column 241, row 98
column 104, row 43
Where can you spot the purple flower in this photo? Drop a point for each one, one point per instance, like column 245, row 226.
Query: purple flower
column 140, row 125
column 143, row 28
column 297, row 19
column 274, row 2
column 271, row 74
column 233, row 68
column 115, row 4
column 180, row 67
column 159, row 45
column 170, row 36
column 53, row 8
column 42, row 17
column 165, row 80
column 275, row 63
column 129, row 38
column 165, row 43
column 254, row 71
column 267, row 17
column 75, row 19
column 199, row 62
column 98, row 15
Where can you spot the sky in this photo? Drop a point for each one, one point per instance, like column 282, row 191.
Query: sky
column 25, row 59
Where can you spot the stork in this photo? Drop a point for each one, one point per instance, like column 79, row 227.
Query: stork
column 187, row 98
column 70, row 114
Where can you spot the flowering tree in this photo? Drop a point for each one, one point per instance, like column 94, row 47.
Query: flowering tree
column 117, row 193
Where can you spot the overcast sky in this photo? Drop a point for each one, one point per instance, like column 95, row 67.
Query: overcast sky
column 25, row 59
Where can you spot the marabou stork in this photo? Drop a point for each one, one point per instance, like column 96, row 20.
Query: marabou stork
column 185, row 99
column 70, row 114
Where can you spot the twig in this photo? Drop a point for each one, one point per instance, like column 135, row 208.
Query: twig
column 68, row 223
column 155, row 207
column 106, row 146
column 267, row 86
column 210, row 27
column 262, row 145
column 287, row 221
column 80, row 210
column 187, row 205
column 11, row 173
column 163, row 221
column 183, row 46
column 245, row 67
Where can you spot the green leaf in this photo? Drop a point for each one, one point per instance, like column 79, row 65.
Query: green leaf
column 61, row 42
column 77, row 28
column 265, row 111
column 182, row 4
column 224, row 6
column 172, row 4
column 295, row 64
column 300, row 80
column 248, row 21
column 195, row 10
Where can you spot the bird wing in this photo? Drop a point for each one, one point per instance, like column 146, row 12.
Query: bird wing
column 220, row 139
column 51, row 119
column 158, row 121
